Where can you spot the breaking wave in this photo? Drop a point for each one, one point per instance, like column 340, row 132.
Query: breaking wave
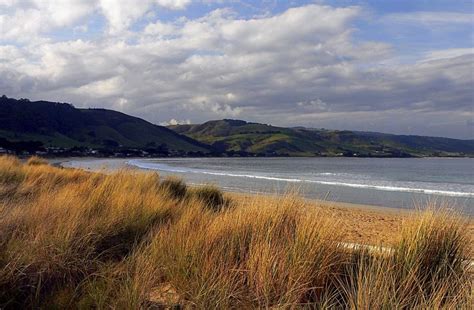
column 164, row 167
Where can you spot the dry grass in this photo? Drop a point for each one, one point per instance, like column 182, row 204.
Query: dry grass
column 210, row 196
column 70, row 238
column 36, row 161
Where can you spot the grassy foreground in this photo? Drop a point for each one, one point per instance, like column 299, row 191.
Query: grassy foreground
column 129, row 240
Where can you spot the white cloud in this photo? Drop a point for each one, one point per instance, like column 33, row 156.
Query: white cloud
column 8, row 3
column 176, row 122
column 174, row 4
column 22, row 20
column 121, row 14
column 22, row 25
column 63, row 12
column 159, row 29
column 212, row 104
column 104, row 88
column 447, row 53
column 30, row 18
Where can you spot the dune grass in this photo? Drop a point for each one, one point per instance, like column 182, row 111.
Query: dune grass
column 74, row 239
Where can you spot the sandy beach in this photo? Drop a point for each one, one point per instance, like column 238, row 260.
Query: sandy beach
column 361, row 224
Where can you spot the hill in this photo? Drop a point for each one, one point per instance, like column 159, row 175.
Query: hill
column 60, row 129
column 41, row 125
column 245, row 138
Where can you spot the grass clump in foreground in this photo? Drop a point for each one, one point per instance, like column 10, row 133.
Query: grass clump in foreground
column 70, row 238
column 36, row 161
column 211, row 196
column 174, row 188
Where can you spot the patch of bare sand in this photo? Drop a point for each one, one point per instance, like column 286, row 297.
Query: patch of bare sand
column 362, row 224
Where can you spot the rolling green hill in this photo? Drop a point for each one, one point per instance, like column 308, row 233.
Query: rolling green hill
column 43, row 126
column 247, row 138
column 63, row 126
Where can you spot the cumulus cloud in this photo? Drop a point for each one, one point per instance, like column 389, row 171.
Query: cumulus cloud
column 174, row 4
column 102, row 89
column 64, row 12
column 120, row 14
column 159, row 29
column 27, row 18
column 176, row 122
column 303, row 66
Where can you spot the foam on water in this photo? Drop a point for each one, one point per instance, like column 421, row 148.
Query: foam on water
column 367, row 185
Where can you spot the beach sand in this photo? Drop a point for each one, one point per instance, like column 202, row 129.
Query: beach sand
column 362, row 224
column 358, row 223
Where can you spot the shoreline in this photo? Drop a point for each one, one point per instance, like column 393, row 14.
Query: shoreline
column 107, row 165
column 328, row 203
column 360, row 223
column 334, row 203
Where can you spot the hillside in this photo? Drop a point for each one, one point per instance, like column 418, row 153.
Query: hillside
column 60, row 129
column 247, row 138
column 43, row 124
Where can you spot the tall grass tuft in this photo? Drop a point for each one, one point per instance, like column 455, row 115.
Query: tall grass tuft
column 75, row 239
column 211, row 196
column 11, row 172
column 174, row 187
column 35, row 161
column 430, row 258
column 428, row 268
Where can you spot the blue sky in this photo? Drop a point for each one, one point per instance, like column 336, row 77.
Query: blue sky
column 395, row 66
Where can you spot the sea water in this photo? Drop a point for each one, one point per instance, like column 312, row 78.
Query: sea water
column 387, row 182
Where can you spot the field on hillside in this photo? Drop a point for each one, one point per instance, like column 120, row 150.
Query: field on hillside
column 75, row 239
column 245, row 138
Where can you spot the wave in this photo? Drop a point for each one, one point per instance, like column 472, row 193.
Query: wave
column 398, row 189
column 165, row 167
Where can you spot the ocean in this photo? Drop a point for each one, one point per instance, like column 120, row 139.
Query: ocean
column 388, row 182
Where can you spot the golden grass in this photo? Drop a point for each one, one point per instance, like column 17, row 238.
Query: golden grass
column 73, row 239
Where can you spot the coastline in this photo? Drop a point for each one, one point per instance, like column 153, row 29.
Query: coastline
column 359, row 223
column 121, row 163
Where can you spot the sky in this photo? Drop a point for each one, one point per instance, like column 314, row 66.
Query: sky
column 395, row 66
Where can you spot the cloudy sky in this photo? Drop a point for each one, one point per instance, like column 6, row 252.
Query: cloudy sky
column 398, row 66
